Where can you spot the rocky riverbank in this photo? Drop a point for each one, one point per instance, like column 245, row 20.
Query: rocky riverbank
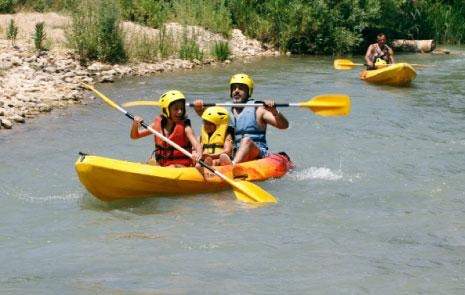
column 33, row 82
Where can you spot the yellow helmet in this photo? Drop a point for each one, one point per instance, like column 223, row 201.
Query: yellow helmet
column 242, row 79
column 380, row 62
column 167, row 98
column 216, row 115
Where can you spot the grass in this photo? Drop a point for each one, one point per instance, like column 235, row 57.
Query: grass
column 12, row 32
column 166, row 43
column 95, row 32
column 211, row 14
column 82, row 35
column 109, row 35
column 220, row 50
column 189, row 49
column 39, row 36
column 7, row 6
column 143, row 48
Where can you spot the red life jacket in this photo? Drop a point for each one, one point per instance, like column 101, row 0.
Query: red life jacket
column 167, row 155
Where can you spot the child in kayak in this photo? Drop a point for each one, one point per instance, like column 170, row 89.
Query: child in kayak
column 216, row 137
column 173, row 124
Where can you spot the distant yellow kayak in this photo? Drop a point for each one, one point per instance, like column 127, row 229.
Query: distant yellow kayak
column 400, row 74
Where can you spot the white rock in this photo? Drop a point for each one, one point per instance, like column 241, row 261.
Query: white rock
column 6, row 123
column 44, row 108
column 98, row 67
column 69, row 74
column 109, row 73
column 106, row 79
column 87, row 80
column 16, row 61
column 17, row 118
column 6, row 65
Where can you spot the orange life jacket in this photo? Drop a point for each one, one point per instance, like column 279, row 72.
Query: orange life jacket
column 167, row 155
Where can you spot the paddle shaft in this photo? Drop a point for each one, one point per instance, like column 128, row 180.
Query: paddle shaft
column 356, row 64
column 169, row 141
column 172, row 143
column 227, row 104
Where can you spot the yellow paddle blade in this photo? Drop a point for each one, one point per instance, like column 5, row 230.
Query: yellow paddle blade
column 137, row 103
column 343, row 64
column 248, row 192
column 332, row 104
column 101, row 95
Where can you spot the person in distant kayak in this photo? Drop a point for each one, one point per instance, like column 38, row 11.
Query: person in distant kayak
column 173, row 124
column 379, row 53
column 249, row 123
column 216, row 137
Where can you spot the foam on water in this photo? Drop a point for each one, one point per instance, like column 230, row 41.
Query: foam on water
column 44, row 199
column 317, row 173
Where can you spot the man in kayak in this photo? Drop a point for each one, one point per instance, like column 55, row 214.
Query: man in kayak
column 379, row 53
column 173, row 124
column 216, row 137
column 249, row 123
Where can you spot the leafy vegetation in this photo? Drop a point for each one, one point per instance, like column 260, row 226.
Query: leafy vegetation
column 39, row 36
column 143, row 48
column 299, row 26
column 110, row 46
column 221, row 50
column 95, row 32
column 12, row 32
column 189, row 49
column 7, row 6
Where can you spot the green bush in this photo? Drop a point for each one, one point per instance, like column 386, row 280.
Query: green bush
column 45, row 5
column 39, row 36
column 166, row 43
column 143, row 48
column 7, row 6
column 12, row 32
column 95, row 32
column 211, row 14
column 109, row 35
column 221, row 50
column 41, row 5
column 82, row 35
column 189, row 49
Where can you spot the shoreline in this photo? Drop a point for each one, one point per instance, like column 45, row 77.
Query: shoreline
column 35, row 83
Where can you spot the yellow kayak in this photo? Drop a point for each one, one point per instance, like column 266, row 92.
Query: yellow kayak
column 400, row 74
column 110, row 179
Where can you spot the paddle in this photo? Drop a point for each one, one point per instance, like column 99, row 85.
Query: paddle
column 243, row 190
column 322, row 105
column 347, row 64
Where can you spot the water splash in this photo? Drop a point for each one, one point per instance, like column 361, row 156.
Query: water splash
column 317, row 173
column 67, row 197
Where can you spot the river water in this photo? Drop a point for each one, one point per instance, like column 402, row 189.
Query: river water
column 375, row 204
